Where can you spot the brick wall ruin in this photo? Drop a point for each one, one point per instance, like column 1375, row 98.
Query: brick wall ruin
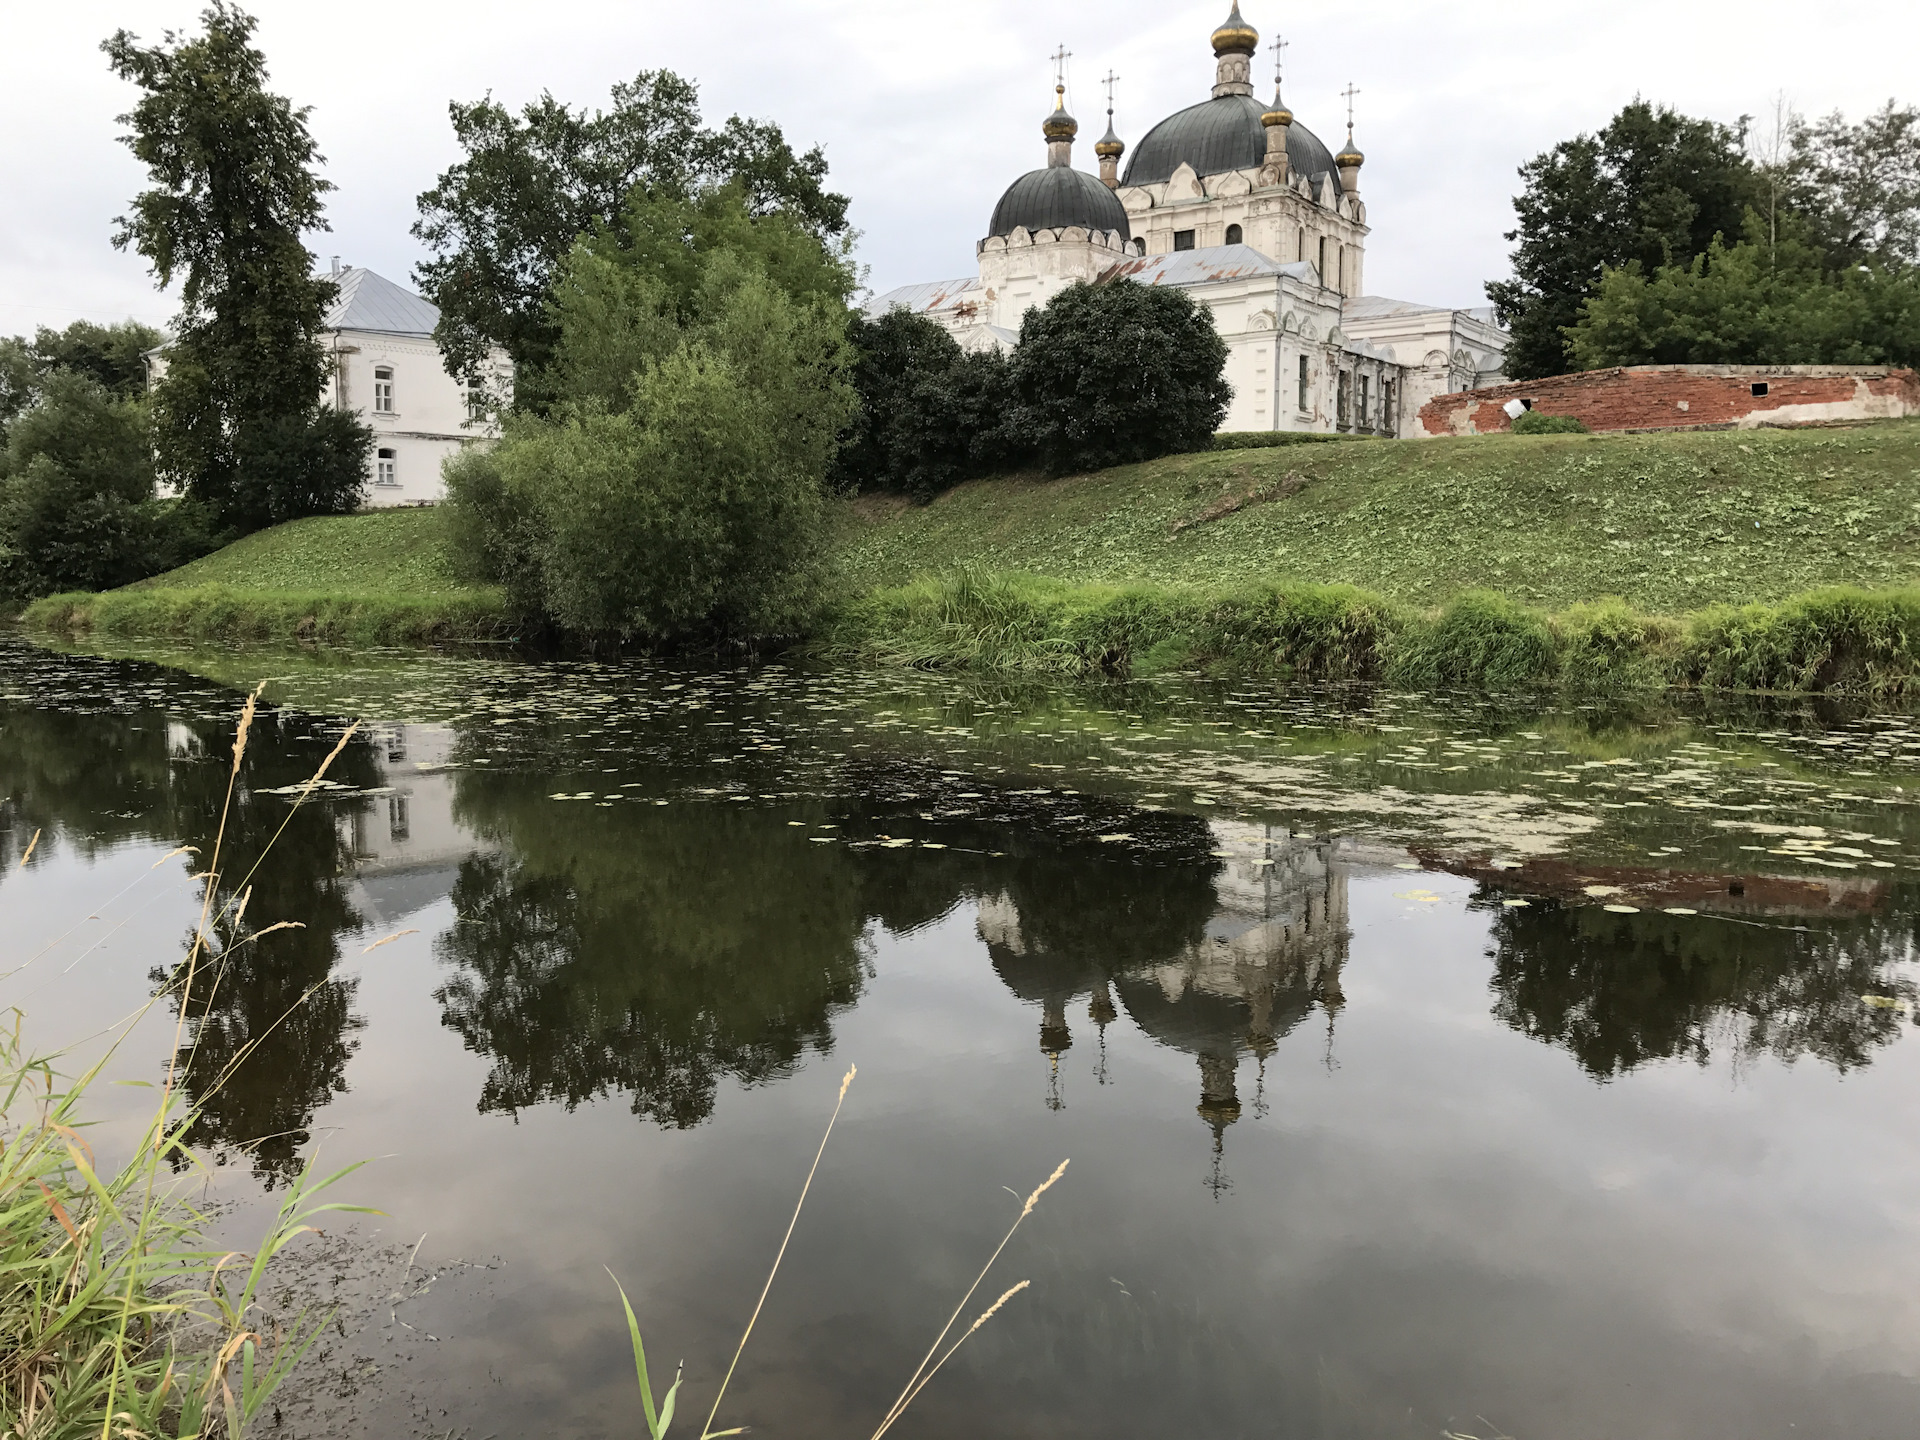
column 1686, row 397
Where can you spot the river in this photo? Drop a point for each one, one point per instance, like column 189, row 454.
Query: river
column 1493, row 1067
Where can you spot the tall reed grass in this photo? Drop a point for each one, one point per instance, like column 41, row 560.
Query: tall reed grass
column 118, row 1318
column 1839, row 639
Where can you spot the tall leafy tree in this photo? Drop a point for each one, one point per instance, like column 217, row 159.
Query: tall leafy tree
column 500, row 221
column 1116, row 373
column 1653, row 186
column 114, row 355
column 931, row 414
column 1858, row 186
column 239, row 418
column 1771, row 299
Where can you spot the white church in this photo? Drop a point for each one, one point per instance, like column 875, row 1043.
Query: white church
column 1242, row 206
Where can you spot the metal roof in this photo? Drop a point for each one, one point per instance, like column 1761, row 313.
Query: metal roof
column 1209, row 265
column 372, row 302
column 1223, row 134
column 924, row 297
column 1056, row 197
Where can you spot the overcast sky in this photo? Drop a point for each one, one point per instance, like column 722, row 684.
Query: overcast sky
column 927, row 112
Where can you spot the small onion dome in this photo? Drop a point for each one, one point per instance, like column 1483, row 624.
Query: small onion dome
column 1060, row 125
column 1236, row 37
column 1109, row 144
column 1349, row 154
column 1277, row 113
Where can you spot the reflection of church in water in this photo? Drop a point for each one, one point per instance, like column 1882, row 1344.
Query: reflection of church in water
column 1253, row 972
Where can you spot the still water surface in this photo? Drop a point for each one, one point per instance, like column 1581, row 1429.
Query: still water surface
column 1424, row 1065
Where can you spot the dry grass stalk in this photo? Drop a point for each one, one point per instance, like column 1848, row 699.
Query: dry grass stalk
column 921, row 1373
column 707, row 1431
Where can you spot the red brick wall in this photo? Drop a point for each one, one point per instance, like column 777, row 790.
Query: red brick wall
column 1675, row 397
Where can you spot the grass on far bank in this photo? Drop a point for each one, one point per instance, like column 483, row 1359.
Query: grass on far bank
column 1673, row 524
column 382, row 578
column 1834, row 639
column 383, row 552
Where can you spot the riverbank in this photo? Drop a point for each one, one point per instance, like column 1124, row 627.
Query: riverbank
column 1732, row 559
column 1838, row 639
column 383, row 578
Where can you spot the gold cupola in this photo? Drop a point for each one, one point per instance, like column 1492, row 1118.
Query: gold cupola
column 1236, row 36
column 1060, row 125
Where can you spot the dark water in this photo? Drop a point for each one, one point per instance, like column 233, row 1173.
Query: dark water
column 1424, row 1066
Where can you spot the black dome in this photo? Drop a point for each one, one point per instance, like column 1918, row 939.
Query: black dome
column 1222, row 134
column 1056, row 197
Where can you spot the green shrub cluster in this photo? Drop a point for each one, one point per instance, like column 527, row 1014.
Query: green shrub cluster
column 1105, row 374
column 1533, row 422
column 1829, row 640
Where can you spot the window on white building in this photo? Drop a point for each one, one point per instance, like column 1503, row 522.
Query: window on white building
column 1364, row 418
column 383, row 468
column 1304, row 407
column 1139, row 244
column 1233, row 235
column 383, row 389
column 1300, row 244
column 1183, row 239
column 476, row 394
column 1389, row 422
column 1323, row 260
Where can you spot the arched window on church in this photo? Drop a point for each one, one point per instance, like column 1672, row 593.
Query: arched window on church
column 1233, row 235
column 1323, row 260
column 1300, row 246
column 1139, row 244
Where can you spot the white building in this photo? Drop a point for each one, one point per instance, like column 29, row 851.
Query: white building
column 1244, row 207
column 387, row 366
column 389, row 369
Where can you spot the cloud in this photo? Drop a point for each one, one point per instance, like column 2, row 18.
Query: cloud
column 926, row 112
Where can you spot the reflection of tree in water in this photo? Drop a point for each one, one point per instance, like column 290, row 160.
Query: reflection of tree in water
column 1620, row 990
column 105, row 771
column 270, row 1010
column 650, row 950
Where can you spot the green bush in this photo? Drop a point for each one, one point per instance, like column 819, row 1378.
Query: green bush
column 76, row 481
column 1265, row 439
column 1833, row 639
column 1610, row 645
column 1480, row 639
column 696, row 509
column 1534, row 423
column 930, row 416
column 1116, row 373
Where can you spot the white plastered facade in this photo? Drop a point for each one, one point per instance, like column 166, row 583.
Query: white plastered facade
column 1277, row 257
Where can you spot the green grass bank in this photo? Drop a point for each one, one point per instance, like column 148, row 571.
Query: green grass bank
column 1752, row 560
column 1837, row 639
column 1673, row 524
column 382, row 578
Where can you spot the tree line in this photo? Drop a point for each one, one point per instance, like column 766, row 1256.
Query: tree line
column 693, row 380
column 1663, row 238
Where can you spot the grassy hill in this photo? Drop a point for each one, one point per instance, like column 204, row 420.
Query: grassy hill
column 391, row 552
column 1249, row 559
column 1670, row 523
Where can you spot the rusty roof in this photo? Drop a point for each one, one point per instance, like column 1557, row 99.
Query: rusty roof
column 1208, row 266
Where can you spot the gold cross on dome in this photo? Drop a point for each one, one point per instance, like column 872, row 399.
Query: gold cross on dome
column 1060, row 58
